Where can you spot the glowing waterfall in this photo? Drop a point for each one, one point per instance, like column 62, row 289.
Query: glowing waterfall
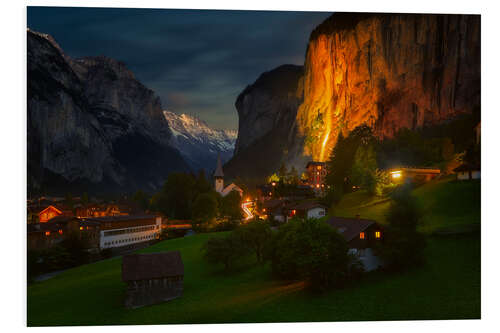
column 325, row 140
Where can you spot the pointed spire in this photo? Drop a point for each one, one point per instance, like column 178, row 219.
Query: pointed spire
column 218, row 171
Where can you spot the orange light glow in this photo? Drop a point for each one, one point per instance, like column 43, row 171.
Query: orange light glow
column 377, row 234
column 294, row 212
column 273, row 183
column 319, row 167
column 361, row 235
column 396, row 174
column 47, row 233
column 270, row 193
column 263, row 209
column 81, row 228
column 317, row 185
column 60, row 231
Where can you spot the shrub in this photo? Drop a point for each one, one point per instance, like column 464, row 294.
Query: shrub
column 310, row 250
column 403, row 245
column 226, row 250
column 256, row 236
column 205, row 208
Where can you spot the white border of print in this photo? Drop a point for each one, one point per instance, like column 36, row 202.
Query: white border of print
column 13, row 140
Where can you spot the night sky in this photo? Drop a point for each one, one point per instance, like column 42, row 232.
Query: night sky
column 197, row 61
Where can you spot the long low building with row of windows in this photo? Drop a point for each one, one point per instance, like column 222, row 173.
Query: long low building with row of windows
column 101, row 232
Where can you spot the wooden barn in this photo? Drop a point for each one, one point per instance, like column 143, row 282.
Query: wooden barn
column 152, row 278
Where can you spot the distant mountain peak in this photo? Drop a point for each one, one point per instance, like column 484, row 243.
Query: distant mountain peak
column 198, row 142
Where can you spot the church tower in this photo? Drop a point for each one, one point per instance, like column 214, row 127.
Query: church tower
column 219, row 176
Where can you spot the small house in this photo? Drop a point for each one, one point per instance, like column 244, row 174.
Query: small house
column 362, row 236
column 51, row 211
column 306, row 210
column 468, row 171
column 152, row 278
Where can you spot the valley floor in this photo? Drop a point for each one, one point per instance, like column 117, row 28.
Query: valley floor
column 447, row 287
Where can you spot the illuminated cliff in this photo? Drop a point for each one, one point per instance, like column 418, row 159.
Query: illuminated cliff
column 389, row 71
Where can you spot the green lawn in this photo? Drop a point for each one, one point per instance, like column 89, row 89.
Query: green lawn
column 447, row 205
column 447, row 287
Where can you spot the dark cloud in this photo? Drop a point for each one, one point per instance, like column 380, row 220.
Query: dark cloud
column 197, row 61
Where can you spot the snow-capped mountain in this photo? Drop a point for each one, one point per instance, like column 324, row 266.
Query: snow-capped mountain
column 198, row 143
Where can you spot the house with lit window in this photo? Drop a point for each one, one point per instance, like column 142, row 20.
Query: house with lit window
column 48, row 234
column 305, row 210
column 361, row 235
column 51, row 211
column 316, row 175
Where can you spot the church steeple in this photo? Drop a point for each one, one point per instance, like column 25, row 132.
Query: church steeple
column 219, row 176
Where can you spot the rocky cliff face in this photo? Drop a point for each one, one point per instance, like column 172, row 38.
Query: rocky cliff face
column 198, row 143
column 269, row 102
column 389, row 71
column 92, row 125
column 267, row 111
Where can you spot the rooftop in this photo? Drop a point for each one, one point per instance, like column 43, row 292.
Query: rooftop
column 349, row 227
column 152, row 266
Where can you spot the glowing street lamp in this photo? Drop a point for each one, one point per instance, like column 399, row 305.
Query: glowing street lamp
column 396, row 174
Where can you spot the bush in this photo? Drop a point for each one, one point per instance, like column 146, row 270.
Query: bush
column 256, row 236
column 313, row 251
column 205, row 208
column 403, row 245
column 226, row 250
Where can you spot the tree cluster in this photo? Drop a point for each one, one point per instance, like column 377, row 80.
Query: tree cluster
column 252, row 237
column 186, row 196
column 304, row 250
column 403, row 245
column 313, row 251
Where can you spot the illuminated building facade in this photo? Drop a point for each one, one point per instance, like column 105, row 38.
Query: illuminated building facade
column 127, row 230
column 316, row 175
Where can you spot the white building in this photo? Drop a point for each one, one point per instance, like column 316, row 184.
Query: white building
column 306, row 210
column 468, row 172
column 126, row 230
column 219, row 181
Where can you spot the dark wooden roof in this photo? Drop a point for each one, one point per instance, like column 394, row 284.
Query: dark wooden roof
column 119, row 218
column 315, row 163
column 350, row 227
column 273, row 203
column 152, row 266
column 305, row 205
column 467, row 167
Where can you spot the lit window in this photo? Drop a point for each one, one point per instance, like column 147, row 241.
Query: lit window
column 377, row 234
column 361, row 235
column 319, row 167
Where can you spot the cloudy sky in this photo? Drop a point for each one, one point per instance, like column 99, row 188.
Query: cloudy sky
column 197, row 61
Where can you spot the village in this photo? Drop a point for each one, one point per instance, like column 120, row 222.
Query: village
column 107, row 229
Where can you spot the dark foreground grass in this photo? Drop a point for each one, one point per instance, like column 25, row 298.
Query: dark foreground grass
column 447, row 287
